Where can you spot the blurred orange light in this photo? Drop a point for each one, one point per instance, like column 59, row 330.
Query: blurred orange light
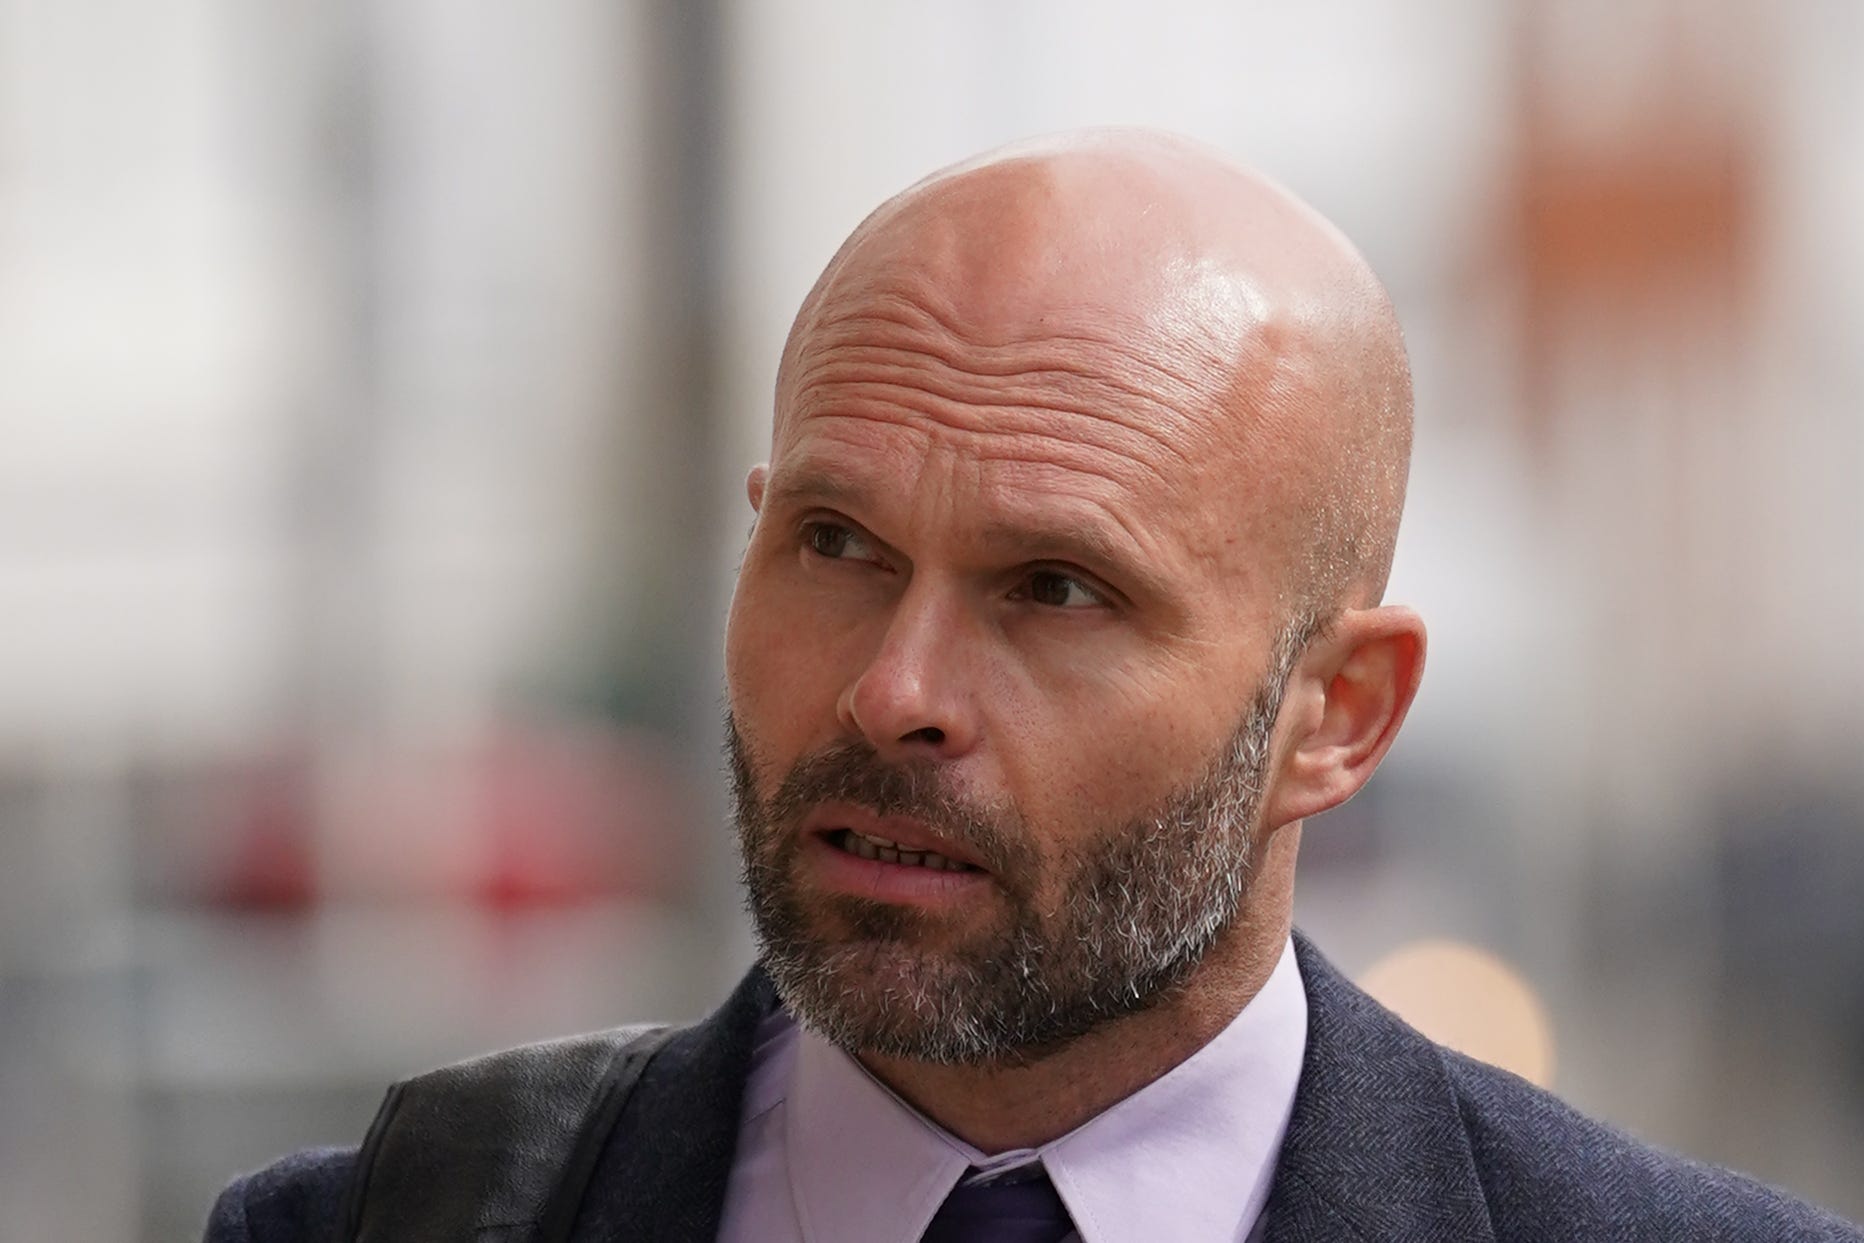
column 1471, row 1001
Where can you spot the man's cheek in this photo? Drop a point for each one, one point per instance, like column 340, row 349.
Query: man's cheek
column 781, row 695
column 754, row 652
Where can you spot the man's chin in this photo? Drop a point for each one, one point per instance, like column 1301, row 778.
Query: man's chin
column 837, row 922
column 881, row 999
column 881, row 966
column 877, row 974
column 888, row 1001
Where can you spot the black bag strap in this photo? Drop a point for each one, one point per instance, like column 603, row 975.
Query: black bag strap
column 499, row 1149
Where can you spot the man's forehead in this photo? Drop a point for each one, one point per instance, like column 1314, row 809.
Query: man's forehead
column 1064, row 400
column 1080, row 415
column 1155, row 413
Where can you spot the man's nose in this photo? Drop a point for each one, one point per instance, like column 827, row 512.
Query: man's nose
column 914, row 696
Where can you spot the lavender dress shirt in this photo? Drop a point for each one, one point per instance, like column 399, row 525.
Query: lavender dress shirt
column 827, row 1154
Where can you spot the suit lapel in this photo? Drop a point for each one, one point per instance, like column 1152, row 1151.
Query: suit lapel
column 663, row 1171
column 1376, row 1148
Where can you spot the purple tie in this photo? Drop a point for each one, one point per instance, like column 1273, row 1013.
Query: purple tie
column 1020, row 1207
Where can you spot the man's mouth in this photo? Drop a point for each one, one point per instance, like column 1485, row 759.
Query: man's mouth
column 880, row 850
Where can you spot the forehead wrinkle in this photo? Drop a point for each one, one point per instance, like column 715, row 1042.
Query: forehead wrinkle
column 921, row 319
column 1091, row 412
column 1033, row 443
column 1107, row 358
column 1077, row 389
column 1030, row 432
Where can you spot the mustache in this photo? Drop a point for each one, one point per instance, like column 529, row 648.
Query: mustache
column 854, row 773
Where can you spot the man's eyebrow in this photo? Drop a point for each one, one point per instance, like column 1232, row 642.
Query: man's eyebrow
column 1084, row 544
column 816, row 486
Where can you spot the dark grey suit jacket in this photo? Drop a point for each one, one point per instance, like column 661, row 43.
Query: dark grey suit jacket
column 1392, row 1138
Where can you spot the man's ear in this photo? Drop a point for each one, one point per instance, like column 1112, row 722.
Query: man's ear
column 1344, row 704
column 754, row 485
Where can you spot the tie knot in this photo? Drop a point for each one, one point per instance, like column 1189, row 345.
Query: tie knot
column 1020, row 1207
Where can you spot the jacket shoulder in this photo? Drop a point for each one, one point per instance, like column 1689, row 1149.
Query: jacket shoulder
column 297, row 1199
column 1550, row 1172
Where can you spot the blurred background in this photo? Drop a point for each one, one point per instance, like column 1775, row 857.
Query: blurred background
column 377, row 381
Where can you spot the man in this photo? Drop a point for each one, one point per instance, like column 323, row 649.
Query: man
column 1062, row 612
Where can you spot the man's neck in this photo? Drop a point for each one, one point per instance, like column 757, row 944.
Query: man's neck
column 999, row 1108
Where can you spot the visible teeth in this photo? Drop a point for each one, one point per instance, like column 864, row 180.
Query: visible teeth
column 880, row 850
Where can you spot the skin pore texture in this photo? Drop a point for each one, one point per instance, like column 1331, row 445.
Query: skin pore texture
column 1085, row 473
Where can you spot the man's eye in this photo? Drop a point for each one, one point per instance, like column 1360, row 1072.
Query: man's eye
column 1061, row 591
column 830, row 539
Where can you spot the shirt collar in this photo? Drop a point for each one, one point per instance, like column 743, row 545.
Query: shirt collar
column 865, row 1166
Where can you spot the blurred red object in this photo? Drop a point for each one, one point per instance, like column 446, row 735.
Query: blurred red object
column 532, row 815
column 571, row 815
column 271, row 867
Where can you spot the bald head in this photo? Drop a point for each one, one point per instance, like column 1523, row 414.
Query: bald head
column 1218, row 311
column 1268, row 343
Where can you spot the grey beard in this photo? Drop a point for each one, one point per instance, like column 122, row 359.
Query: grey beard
column 1143, row 904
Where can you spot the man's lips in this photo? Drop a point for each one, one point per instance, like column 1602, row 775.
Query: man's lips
column 905, row 832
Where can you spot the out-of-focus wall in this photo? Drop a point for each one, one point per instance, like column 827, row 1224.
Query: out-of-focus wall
column 378, row 381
